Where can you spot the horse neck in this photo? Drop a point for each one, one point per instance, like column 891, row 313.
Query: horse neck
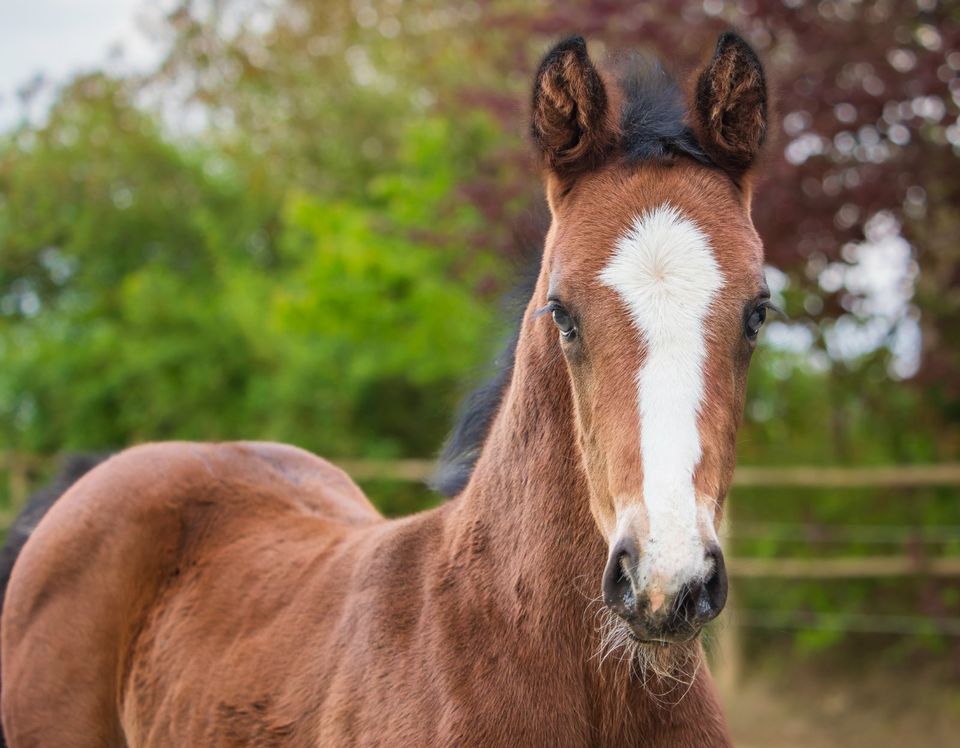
column 526, row 510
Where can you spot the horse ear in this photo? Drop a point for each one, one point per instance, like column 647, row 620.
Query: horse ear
column 569, row 121
column 730, row 109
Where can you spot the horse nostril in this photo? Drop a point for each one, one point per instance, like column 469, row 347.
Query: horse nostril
column 713, row 593
column 700, row 602
column 618, row 591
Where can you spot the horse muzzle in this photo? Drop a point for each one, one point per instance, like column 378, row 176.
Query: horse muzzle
column 656, row 607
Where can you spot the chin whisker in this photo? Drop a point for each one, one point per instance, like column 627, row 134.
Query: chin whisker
column 666, row 670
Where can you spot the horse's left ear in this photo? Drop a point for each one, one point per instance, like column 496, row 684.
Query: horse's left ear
column 570, row 114
column 730, row 106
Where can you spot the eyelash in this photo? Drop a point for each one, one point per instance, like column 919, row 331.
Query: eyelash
column 552, row 306
column 763, row 308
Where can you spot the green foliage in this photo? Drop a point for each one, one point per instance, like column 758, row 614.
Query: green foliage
column 147, row 298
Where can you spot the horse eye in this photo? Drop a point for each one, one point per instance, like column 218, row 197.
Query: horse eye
column 564, row 322
column 755, row 321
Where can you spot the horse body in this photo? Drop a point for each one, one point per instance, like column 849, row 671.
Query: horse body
column 250, row 594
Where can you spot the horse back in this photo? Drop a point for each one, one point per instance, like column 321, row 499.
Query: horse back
column 103, row 556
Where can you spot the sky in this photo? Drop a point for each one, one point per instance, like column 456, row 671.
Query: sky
column 56, row 38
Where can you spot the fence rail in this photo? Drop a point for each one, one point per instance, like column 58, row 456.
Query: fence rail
column 865, row 567
column 803, row 476
column 861, row 623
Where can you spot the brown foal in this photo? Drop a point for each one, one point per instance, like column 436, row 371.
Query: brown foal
column 249, row 594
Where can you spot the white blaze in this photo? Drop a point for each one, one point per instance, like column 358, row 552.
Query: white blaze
column 665, row 272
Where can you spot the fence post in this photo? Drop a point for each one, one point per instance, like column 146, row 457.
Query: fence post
column 728, row 657
column 19, row 470
column 728, row 654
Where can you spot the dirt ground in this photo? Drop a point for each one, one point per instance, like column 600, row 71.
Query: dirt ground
column 799, row 707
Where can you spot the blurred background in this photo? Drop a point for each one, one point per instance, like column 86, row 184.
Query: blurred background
column 294, row 220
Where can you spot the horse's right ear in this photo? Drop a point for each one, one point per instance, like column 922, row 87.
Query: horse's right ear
column 570, row 119
column 730, row 108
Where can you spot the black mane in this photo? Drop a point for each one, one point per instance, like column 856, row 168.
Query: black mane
column 654, row 113
column 654, row 128
column 479, row 408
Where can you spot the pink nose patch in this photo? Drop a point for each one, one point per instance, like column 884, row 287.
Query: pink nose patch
column 656, row 601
